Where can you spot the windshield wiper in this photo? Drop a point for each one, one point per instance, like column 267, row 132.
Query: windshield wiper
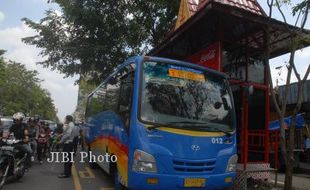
column 155, row 126
column 217, row 130
column 202, row 125
column 186, row 122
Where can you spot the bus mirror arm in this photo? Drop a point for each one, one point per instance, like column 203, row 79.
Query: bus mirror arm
column 125, row 99
column 218, row 105
column 249, row 90
column 123, row 109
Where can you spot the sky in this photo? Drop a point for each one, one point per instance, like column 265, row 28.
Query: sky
column 63, row 91
column 12, row 29
column 302, row 59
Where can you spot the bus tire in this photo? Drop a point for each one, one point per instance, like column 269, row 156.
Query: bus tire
column 92, row 165
column 115, row 177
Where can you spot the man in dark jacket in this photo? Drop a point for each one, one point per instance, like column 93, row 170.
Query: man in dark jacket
column 19, row 129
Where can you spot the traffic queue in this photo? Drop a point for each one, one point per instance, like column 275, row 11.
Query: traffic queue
column 25, row 140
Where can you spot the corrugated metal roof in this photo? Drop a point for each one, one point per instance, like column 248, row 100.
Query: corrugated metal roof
column 248, row 5
column 193, row 6
column 293, row 93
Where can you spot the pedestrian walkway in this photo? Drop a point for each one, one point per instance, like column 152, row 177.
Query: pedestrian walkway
column 304, row 167
column 300, row 181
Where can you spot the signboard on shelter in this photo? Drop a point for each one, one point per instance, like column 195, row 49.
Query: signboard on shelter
column 209, row 57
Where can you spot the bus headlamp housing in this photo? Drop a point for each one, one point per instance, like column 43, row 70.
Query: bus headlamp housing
column 232, row 163
column 144, row 162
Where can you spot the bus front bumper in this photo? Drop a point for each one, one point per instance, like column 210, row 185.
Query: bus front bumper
column 148, row 181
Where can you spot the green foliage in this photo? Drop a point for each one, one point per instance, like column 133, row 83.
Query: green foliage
column 302, row 6
column 151, row 20
column 20, row 91
column 91, row 37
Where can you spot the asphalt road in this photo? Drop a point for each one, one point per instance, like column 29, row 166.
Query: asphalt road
column 44, row 176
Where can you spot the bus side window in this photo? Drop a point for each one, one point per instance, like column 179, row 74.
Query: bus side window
column 125, row 98
column 125, row 102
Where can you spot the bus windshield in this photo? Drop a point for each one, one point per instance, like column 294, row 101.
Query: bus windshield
column 183, row 97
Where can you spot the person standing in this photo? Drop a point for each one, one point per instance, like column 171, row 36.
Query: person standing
column 307, row 148
column 76, row 133
column 82, row 140
column 0, row 122
column 67, row 141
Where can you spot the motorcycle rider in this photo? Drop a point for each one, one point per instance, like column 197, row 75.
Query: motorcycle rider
column 42, row 142
column 57, row 133
column 33, row 130
column 1, row 130
column 19, row 129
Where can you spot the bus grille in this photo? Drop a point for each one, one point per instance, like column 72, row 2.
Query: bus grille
column 194, row 166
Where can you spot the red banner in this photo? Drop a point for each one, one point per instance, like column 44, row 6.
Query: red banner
column 209, row 57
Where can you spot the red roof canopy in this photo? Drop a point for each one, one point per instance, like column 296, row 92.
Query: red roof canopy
column 241, row 20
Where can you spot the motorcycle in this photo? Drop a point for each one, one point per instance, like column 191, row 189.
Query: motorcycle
column 12, row 161
column 33, row 144
column 42, row 146
column 54, row 141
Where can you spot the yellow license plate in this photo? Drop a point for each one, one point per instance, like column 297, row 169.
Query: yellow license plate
column 194, row 182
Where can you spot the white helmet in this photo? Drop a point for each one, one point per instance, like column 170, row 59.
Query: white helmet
column 18, row 116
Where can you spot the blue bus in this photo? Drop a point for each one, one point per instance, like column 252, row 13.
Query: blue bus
column 170, row 124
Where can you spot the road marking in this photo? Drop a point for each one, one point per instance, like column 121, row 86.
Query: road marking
column 278, row 182
column 75, row 177
column 87, row 174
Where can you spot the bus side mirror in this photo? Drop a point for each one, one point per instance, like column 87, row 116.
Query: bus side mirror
column 217, row 105
column 125, row 97
column 123, row 109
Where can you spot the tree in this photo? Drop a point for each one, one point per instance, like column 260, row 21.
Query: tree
column 288, row 143
column 20, row 91
column 2, row 78
column 152, row 20
column 90, row 37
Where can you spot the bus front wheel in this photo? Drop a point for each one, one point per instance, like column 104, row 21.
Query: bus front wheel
column 116, row 178
column 92, row 165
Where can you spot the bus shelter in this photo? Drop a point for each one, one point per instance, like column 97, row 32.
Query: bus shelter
column 231, row 36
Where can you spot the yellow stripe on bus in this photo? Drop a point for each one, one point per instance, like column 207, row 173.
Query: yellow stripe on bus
column 190, row 133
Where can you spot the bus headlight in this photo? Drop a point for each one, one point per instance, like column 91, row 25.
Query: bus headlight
column 143, row 162
column 232, row 163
